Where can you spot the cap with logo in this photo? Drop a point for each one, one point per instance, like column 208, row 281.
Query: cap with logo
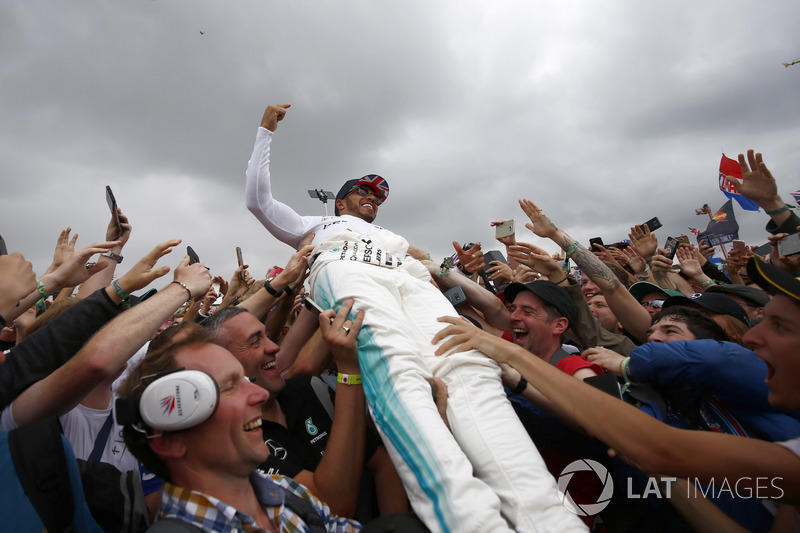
column 378, row 185
column 711, row 301
column 548, row 292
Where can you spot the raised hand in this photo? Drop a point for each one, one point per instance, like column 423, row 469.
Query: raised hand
column 113, row 234
column 274, row 114
column 73, row 271
column 340, row 334
column 509, row 240
column 64, row 248
column 471, row 260
column 500, row 271
column 757, row 182
column 540, row 224
column 143, row 272
column 196, row 277
column 644, row 242
column 690, row 265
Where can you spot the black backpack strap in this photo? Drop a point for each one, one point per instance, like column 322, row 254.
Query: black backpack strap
column 41, row 466
column 305, row 510
column 102, row 438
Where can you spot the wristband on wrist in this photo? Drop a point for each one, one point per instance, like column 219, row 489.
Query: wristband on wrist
column 348, row 379
column 112, row 255
column 567, row 255
column 521, row 386
column 41, row 288
column 126, row 299
column 707, row 283
column 184, row 286
column 270, row 289
column 623, row 368
column 41, row 306
column 778, row 211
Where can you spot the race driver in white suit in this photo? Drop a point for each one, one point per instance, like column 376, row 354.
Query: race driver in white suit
column 484, row 476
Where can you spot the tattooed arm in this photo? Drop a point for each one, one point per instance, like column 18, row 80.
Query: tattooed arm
column 633, row 317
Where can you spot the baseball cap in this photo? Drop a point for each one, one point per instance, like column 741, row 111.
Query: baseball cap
column 772, row 279
column 548, row 292
column 711, row 301
column 642, row 288
column 756, row 297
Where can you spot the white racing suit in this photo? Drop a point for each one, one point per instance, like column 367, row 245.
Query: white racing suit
column 485, row 475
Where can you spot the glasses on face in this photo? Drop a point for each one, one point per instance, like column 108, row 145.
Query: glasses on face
column 366, row 191
column 655, row 304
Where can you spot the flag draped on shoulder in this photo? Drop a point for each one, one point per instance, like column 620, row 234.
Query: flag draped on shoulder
column 730, row 167
column 723, row 226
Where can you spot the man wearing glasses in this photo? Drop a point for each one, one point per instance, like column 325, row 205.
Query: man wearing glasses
column 485, row 475
column 651, row 296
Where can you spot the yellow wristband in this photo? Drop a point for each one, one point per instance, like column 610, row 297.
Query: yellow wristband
column 349, row 379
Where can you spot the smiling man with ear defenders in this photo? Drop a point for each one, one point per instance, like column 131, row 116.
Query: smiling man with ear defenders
column 194, row 419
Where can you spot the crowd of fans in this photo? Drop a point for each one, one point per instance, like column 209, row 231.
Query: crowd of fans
column 673, row 375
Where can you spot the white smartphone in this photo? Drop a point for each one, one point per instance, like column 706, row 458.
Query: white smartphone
column 506, row 229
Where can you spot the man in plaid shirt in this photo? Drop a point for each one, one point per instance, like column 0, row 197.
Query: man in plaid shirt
column 209, row 469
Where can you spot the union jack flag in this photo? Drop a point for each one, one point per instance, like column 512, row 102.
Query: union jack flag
column 796, row 196
column 377, row 184
column 695, row 231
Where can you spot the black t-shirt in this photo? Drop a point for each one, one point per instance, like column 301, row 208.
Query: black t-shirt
column 301, row 445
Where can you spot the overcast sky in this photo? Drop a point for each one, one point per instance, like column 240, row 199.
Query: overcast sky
column 604, row 113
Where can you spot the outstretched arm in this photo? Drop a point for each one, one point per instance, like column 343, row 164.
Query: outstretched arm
column 652, row 445
column 70, row 273
column 759, row 185
column 107, row 351
column 630, row 314
column 280, row 220
column 337, row 478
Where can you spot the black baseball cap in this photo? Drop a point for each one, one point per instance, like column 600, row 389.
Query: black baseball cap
column 548, row 292
column 752, row 295
column 772, row 279
column 711, row 301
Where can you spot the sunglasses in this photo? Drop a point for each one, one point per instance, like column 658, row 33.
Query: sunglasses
column 655, row 304
column 366, row 191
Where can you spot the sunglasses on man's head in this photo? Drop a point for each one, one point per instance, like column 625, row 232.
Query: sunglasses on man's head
column 655, row 304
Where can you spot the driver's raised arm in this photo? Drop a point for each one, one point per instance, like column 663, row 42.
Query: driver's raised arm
column 280, row 220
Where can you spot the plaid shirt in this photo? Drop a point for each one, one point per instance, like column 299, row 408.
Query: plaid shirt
column 212, row 515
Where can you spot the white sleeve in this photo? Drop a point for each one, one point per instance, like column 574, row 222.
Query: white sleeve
column 7, row 422
column 279, row 219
